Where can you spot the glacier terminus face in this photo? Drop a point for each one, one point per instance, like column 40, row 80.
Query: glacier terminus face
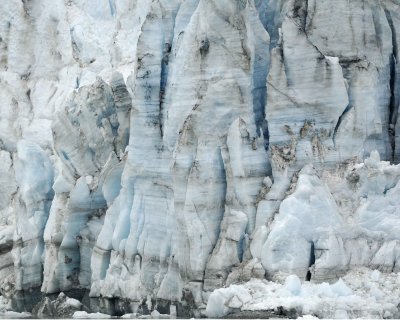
column 191, row 156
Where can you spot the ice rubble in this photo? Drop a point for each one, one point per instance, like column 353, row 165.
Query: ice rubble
column 361, row 293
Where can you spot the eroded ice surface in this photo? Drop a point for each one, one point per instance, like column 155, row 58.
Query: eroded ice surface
column 157, row 150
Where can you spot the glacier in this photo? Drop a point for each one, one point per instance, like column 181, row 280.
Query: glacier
column 362, row 294
column 156, row 152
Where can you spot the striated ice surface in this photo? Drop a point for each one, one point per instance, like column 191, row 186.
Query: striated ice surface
column 358, row 295
column 154, row 151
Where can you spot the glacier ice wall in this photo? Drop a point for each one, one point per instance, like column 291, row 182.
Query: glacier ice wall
column 159, row 149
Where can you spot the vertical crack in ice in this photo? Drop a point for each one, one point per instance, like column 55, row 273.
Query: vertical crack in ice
column 167, row 48
column 259, row 95
column 394, row 101
column 305, row 16
column 224, row 193
column 311, row 261
column 300, row 8
column 224, row 201
column 112, row 7
column 163, row 83
column 339, row 122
